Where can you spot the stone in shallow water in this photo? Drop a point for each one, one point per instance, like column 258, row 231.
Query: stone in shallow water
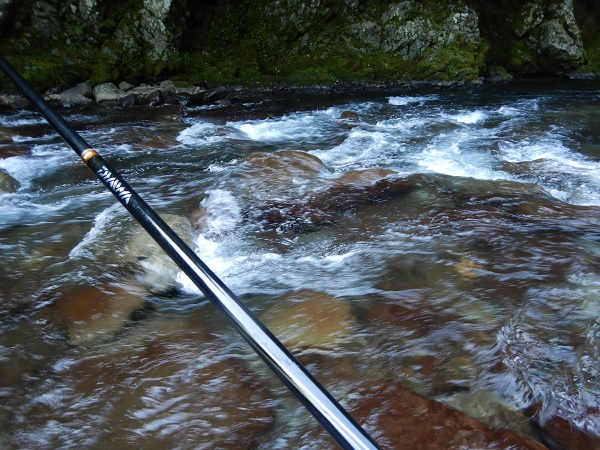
column 13, row 150
column 350, row 116
column 166, row 385
column 91, row 314
column 308, row 319
column 399, row 418
column 269, row 174
column 156, row 270
column 7, row 183
column 485, row 406
column 560, row 433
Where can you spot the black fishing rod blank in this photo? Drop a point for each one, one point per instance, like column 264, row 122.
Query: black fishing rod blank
column 340, row 425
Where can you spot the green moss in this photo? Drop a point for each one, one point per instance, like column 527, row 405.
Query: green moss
column 242, row 42
column 519, row 59
column 312, row 76
column 44, row 71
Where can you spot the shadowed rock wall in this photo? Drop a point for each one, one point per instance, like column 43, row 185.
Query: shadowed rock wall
column 59, row 43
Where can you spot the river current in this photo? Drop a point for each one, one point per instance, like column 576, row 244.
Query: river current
column 451, row 235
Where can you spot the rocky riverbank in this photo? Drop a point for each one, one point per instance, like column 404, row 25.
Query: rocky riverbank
column 169, row 92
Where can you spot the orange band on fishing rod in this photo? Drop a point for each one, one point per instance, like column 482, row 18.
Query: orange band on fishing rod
column 88, row 154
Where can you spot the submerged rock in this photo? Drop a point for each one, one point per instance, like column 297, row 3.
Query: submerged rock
column 168, row 385
column 274, row 174
column 153, row 267
column 396, row 417
column 310, row 320
column 295, row 189
column 91, row 314
column 483, row 405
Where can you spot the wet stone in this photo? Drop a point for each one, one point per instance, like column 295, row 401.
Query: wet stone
column 269, row 174
column 93, row 314
column 107, row 92
column 563, row 434
column 153, row 98
column 8, row 184
column 215, row 94
column 169, row 387
column 397, row 417
column 350, row 116
column 483, row 405
column 155, row 270
column 129, row 100
column 307, row 319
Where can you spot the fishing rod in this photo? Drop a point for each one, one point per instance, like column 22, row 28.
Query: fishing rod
column 321, row 404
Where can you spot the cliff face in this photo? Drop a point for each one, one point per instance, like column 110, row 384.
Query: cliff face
column 317, row 42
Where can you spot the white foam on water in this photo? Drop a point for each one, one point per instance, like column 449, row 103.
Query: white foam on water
column 468, row 117
column 20, row 119
column 362, row 148
column 565, row 174
column 223, row 246
column 405, row 125
column 224, row 211
column 451, row 155
column 101, row 221
column 327, row 261
column 407, row 99
column 292, row 128
column 201, row 133
column 25, row 168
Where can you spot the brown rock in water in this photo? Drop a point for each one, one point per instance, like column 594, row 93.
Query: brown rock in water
column 399, row 418
column 156, row 141
column 413, row 318
column 350, row 115
column 91, row 314
column 308, row 319
column 13, row 150
column 363, row 177
column 275, row 184
column 467, row 268
column 365, row 185
column 525, row 167
column 277, row 171
column 562, row 434
column 171, row 389
column 327, row 198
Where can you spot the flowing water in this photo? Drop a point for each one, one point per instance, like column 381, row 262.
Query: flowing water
column 468, row 263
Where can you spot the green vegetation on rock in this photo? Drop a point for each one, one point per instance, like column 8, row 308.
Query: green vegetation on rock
column 302, row 43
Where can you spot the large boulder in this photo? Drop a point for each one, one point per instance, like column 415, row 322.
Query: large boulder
column 144, row 40
column 558, row 38
column 107, row 92
column 533, row 37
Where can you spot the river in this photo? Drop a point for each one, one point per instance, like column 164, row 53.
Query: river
column 446, row 241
